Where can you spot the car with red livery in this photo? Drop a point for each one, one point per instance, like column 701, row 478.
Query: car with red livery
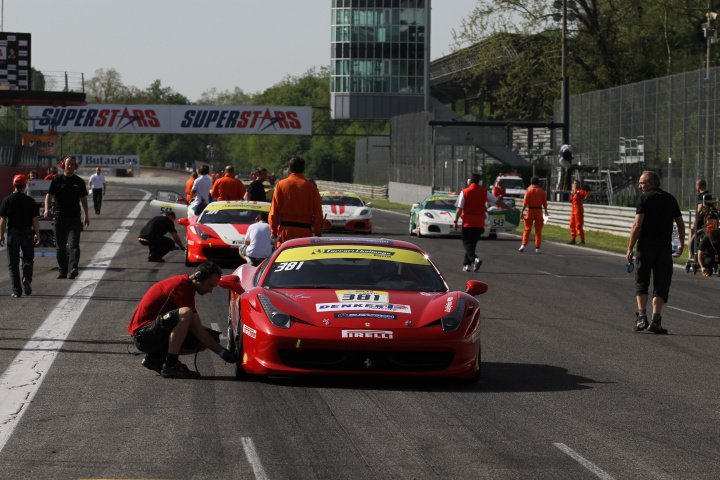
column 218, row 232
column 352, row 306
column 346, row 211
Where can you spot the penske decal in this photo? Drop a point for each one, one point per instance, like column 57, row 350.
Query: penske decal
column 362, row 296
column 372, row 334
column 349, row 306
column 352, row 251
column 250, row 332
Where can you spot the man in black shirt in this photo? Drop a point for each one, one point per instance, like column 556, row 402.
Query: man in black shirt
column 20, row 215
column 704, row 199
column 708, row 256
column 153, row 236
column 652, row 231
column 256, row 190
column 69, row 193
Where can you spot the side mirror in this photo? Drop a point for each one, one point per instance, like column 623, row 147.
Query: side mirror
column 231, row 282
column 475, row 287
column 369, row 204
column 183, row 221
column 415, row 205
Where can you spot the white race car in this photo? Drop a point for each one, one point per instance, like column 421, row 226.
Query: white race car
column 346, row 211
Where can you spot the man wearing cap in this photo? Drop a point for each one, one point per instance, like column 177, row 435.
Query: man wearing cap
column 20, row 217
column 69, row 193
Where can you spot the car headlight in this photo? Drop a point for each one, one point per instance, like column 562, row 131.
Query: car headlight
column 278, row 318
column 452, row 321
column 364, row 211
column 428, row 214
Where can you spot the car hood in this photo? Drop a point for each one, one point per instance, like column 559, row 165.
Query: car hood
column 324, row 307
column 342, row 211
column 230, row 233
column 439, row 216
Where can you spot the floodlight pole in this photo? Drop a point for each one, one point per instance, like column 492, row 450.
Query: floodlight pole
column 565, row 83
column 709, row 30
column 426, row 68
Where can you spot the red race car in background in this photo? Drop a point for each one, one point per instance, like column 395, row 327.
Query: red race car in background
column 217, row 233
column 352, row 306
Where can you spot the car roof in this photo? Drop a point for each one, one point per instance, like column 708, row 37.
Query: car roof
column 371, row 242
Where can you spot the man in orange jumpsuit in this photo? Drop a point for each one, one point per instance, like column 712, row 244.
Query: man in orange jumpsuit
column 228, row 187
column 577, row 215
column 296, row 209
column 188, row 186
column 535, row 202
column 498, row 190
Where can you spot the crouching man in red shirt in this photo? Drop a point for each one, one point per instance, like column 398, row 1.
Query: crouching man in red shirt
column 166, row 323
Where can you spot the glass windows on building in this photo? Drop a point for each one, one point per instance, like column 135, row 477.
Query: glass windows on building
column 377, row 46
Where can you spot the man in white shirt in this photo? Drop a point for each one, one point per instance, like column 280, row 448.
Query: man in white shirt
column 201, row 190
column 97, row 185
column 258, row 242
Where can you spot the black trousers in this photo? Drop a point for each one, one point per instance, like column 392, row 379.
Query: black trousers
column 655, row 261
column 67, row 236
column 159, row 246
column 97, row 198
column 470, row 238
column 20, row 239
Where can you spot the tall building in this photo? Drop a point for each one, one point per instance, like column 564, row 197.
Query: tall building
column 378, row 53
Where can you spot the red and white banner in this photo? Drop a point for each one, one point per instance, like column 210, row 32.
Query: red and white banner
column 220, row 119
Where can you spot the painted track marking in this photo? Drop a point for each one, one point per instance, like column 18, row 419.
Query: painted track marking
column 253, row 458
column 599, row 472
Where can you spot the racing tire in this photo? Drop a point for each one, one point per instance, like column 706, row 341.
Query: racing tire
column 188, row 263
column 492, row 236
column 411, row 229
column 240, row 373
column 687, row 267
column 475, row 378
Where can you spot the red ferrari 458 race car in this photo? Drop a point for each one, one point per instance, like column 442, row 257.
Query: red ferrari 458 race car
column 352, row 306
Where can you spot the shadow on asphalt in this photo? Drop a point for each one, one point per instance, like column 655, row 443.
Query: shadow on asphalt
column 496, row 377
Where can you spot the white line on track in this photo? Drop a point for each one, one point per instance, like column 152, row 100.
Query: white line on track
column 599, row 472
column 692, row 313
column 22, row 379
column 254, row 459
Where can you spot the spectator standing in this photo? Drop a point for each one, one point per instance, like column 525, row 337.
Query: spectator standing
column 704, row 197
column 577, row 213
column 51, row 174
column 652, row 231
column 535, row 202
column 258, row 242
column 296, row 209
column 471, row 205
column 256, row 189
column 69, row 194
column 498, row 190
column 96, row 184
column 708, row 256
column 228, row 187
column 189, row 186
column 153, row 236
column 20, row 218
column 166, row 323
column 201, row 190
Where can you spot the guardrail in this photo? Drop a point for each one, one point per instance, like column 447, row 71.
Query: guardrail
column 370, row 191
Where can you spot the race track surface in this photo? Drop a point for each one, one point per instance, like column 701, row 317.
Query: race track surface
column 568, row 391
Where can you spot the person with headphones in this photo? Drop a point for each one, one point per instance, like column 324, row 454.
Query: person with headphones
column 166, row 323
column 21, row 215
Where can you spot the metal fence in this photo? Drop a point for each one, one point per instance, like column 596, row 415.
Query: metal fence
column 666, row 124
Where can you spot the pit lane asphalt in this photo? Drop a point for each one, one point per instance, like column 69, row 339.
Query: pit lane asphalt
column 561, row 368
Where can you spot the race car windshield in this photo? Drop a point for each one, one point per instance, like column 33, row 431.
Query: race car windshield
column 345, row 201
column 448, row 204
column 231, row 216
column 352, row 266
column 514, row 183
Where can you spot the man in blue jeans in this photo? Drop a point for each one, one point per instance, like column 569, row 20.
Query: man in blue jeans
column 19, row 216
column 69, row 193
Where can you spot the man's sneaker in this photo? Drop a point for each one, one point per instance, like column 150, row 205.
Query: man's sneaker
column 73, row 274
column 476, row 264
column 582, row 242
column 178, row 370
column 537, row 250
column 156, row 259
column 62, row 275
column 152, row 362
column 641, row 322
column 521, row 249
column 466, row 268
column 15, row 295
column 572, row 242
column 655, row 325
column 27, row 288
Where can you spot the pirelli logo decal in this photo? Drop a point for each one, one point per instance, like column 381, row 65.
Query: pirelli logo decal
column 371, row 334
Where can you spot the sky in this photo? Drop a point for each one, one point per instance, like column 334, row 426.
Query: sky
column 193, row 45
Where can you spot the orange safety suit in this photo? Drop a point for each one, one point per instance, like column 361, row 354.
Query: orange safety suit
column 227, row 188
column 577, row 215
column 499, row 191
column 188, row 189
column 296, row 209
column 535, row 201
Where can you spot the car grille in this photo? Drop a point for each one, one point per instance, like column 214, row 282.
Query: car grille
column 221, row 254
column 370, row 360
